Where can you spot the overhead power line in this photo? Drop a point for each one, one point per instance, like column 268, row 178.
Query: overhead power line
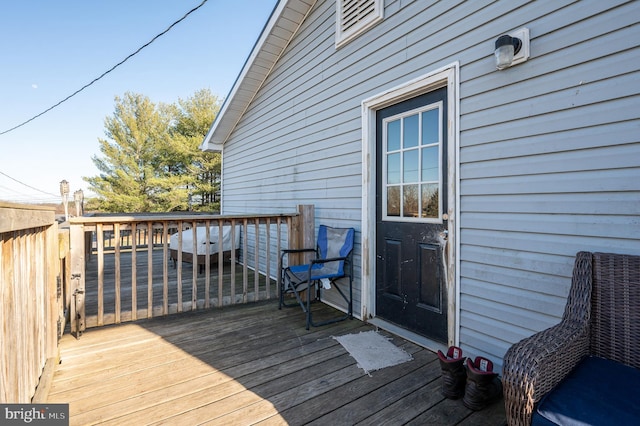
column 28, row 186
column 106, row 72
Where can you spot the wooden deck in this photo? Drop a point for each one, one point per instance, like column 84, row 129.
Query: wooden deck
column 248, row 364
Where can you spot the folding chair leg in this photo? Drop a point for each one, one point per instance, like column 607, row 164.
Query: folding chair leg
column 281, row 292
column 349, row 313
column 305, row 302
column 308, row 307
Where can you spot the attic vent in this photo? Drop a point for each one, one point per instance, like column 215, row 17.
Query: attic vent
column 355, row 17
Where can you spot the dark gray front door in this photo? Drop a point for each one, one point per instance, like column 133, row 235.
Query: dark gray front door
column 411, row 206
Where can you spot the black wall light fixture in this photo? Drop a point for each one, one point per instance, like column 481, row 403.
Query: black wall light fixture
column 512, row 49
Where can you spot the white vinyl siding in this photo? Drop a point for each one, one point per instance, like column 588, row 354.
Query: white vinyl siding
column 353, row 17
column 549, row 149
column 548, row 168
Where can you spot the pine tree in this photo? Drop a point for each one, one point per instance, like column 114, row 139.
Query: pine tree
column 193, row 121
column 151, row 160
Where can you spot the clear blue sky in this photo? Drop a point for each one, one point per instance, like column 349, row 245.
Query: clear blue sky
column 50, row 49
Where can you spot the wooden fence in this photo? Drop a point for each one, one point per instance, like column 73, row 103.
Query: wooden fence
column 31, row 298
column 125, row 268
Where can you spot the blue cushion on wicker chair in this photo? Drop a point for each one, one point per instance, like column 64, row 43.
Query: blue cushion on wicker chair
column 597, row 392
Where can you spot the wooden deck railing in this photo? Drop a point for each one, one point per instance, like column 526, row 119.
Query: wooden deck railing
column 31, row 298
column 147, row 274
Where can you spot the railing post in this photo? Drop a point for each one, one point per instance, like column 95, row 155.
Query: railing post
column 64, row 272
column 77, row 253
column 301, row 234
column 52, row 296
column 306, row 229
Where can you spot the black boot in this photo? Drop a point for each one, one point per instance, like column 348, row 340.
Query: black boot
column 483, row 385
column 454, row 375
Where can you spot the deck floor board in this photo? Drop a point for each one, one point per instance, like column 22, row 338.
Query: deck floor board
column 247, row 364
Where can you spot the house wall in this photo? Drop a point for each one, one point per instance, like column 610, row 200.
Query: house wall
column 549, row 149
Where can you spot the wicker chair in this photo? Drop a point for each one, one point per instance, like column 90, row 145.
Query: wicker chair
column 601, row 318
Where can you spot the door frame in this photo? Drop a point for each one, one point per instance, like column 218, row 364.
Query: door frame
column 448, row 76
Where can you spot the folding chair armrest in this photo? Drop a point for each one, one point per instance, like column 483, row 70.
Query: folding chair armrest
column 348, row 271
column 286, row 252
column 297, row 250
column 332, row 259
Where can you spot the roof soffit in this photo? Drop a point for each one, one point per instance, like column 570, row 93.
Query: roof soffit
column 283, row 24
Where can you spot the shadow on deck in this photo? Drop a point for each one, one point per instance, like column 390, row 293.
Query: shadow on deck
column 248, row 364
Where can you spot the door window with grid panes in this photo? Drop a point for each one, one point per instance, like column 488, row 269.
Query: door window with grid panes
column 412, row 165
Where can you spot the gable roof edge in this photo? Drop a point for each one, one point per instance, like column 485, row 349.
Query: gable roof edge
column 240, row 97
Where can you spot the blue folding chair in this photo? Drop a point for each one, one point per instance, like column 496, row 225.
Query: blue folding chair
column 333, row 261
